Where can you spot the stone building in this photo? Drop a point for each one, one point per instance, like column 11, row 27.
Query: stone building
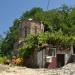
column 27, row 27
column 50, row 56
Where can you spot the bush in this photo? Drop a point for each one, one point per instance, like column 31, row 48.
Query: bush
column 19, row 61
column 2, row 59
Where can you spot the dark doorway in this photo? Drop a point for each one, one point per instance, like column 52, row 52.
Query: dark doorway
column 73, row 49
column 47, row 64
column 60, row 60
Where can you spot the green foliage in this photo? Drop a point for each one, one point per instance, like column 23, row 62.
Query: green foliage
column 1, row 40
column 25, row 52
column 31, row 42
column 36, row 13
column 59, row 27
column 2, row 59
column 11, row 37
column 43, row 37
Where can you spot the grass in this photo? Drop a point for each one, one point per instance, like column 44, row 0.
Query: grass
column 2, row 60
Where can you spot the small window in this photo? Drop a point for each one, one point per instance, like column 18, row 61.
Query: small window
column 52, row 52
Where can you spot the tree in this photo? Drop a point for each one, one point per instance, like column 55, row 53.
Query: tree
column 34, row 13
column 11, row 38
column 1, row 40
column 59, row 27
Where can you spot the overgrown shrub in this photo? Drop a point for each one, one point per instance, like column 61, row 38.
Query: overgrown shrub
column 2, row 59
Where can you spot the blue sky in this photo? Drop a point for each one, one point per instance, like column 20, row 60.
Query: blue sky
column 12, row 9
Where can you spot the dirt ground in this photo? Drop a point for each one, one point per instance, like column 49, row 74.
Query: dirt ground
column 68, row 69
